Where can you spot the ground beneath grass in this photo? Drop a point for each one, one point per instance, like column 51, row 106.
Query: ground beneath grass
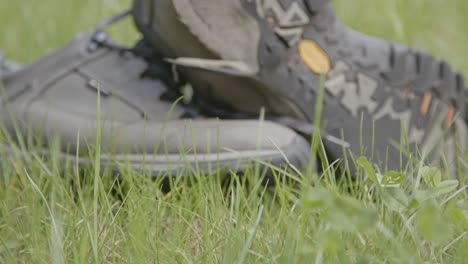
column 53, row 212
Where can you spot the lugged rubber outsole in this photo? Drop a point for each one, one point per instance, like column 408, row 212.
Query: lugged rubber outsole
column 295, row 155
column 372, row 86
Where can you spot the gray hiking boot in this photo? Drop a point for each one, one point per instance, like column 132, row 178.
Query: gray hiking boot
column 57, row 96
column 250, row 54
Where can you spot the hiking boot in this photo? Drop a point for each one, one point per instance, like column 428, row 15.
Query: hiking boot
column 57, row 96
column 249, row 54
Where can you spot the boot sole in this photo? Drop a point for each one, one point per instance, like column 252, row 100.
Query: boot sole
column 372, row 87
column 295, row 155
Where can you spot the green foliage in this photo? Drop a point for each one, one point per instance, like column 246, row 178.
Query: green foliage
column 55, row 211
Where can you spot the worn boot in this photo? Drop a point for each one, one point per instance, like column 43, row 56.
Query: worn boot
column 249, row 54
column 56, row 96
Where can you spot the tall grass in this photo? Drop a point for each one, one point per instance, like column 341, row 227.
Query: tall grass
column 62, row 212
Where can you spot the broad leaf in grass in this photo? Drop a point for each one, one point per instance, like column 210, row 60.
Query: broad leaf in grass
column 459, row 217
column 431, row 175
column 432, row 225
column 317, row 199
column 342, row 212
column 445, row 187
column 395, row 199
column 349, row 214
column 442, row 188
column 393, row 178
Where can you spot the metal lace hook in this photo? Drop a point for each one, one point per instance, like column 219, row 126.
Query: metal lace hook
column 99, row 37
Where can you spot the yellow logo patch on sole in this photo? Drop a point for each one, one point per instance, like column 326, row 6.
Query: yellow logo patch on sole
column 314, row 57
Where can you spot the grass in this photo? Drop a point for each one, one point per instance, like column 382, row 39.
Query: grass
column 52, row 212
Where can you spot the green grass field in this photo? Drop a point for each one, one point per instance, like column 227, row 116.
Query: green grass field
column 53, row 213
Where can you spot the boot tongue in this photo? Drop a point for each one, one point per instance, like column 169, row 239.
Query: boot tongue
column 224, row 27
column 315, row 6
